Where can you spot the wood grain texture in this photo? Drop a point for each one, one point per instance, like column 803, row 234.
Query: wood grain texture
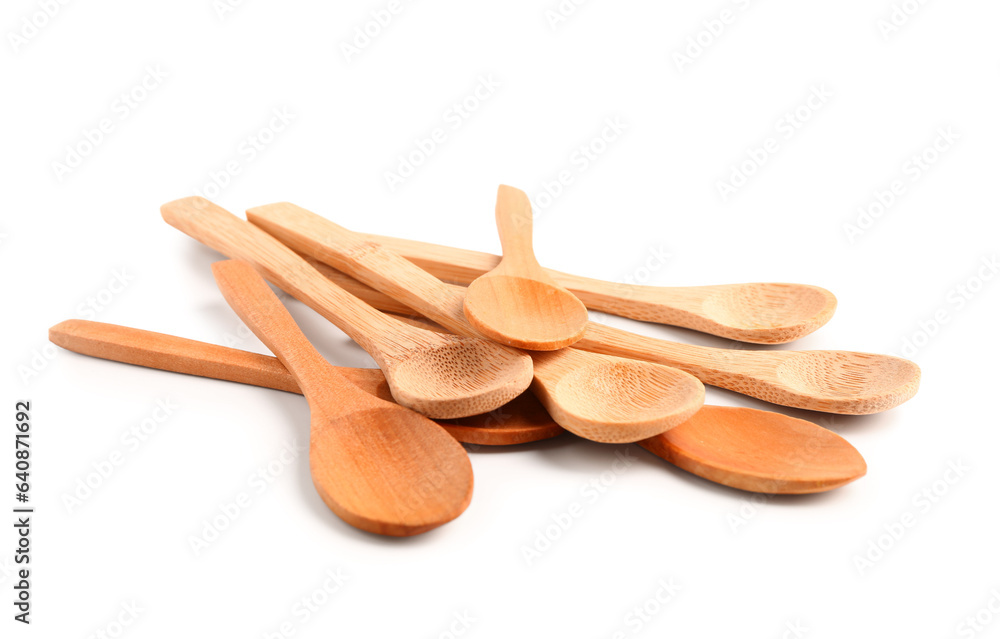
column 520, row 421
column 830, row 381
column 443, row 376
column 621, row 406
column 518, row 303
column 742, row 448
column 379, row 466
column 761, row 313
column 759, row 451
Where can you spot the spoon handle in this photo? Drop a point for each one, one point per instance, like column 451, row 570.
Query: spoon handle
column 514, row 224
column 256, row 304
column 236, row 238
column 171, row 353
column 325, row 241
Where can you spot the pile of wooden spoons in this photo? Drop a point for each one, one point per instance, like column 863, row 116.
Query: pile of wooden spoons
column 511, row 359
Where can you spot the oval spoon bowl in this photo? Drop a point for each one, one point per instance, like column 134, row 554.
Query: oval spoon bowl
column 616, row 401
column 512, row 305
column 409, row 500
column 759, row 451
column 460, row 378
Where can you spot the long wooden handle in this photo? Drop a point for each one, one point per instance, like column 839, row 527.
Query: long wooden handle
column 514, row 223
column 321, row 239
column 170, row 353
column 217, row 228
column 248, row 294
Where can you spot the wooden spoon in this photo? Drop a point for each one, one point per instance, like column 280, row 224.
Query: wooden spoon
column 518, row 303
column 520, row 421
column 602, row 398
column 441, row 376
column 759, row 451
column 379, row 466
column 742, row 448
column 830, row 381
column 762, row 313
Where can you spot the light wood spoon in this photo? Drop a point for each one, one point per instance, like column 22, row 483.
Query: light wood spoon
column 742, row 448
column 520, row 421
column 379, row 466
column 606, row 399
column 518, row 303
column 762, row 313
column 442, row 376
column 844, row 382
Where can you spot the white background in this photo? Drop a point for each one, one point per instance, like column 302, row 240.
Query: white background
column 745, row 566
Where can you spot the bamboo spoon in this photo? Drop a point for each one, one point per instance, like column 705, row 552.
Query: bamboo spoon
column 380, row 467
column 518, row 303
column 762, row 313
column 602, row 398
column 441, row 376
column 759, row 451
column 842, row 382
column 520, row 421
column 743, row 448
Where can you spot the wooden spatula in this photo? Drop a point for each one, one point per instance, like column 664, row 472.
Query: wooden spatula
column 518, row 303
column 379, row 466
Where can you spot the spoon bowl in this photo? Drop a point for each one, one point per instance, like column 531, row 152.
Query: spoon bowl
column 759, row 451
column 409, row 500
column 615, row 400
column 520, row 298
column 785, row 311
column 867, row 382
column 459, row 377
